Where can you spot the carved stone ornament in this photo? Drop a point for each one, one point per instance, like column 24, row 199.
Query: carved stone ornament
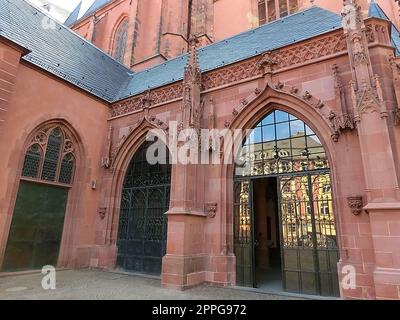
column 102, row 213
column 355, row 204
column 211, row 209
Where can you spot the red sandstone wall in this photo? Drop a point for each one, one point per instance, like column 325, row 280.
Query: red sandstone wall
column 9, row 63
column 37, row 98
column 205, row 248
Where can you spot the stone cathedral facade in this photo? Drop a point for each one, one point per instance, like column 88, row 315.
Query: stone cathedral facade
column 311, row 207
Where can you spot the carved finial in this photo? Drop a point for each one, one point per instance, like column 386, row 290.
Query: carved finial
column 192, row 69
column 378, row 87
column 352, row 18
column 336, row 76
column 267, row 62
column 147, row 99
column 192, row 104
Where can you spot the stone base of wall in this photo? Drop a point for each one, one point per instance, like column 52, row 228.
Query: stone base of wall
column 185, row 272
column 387, row 283
column 99, row 257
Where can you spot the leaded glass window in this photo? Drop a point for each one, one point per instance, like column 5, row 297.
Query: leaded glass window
column 120, row 41
column 281, row 143
column 50, row 157
column 67, row 169
column 33, row 158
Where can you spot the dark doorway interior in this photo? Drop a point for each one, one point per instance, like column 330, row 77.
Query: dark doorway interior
column 267, row 254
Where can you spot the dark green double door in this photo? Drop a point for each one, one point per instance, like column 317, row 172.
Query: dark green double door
column 36, row 229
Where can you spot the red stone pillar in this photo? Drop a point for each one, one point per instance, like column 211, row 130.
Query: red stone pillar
column 185, row 263
column 377, row 150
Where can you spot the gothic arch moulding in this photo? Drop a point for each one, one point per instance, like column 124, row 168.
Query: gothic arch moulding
column 72, row 144
column 304, row 105
column 120, row 157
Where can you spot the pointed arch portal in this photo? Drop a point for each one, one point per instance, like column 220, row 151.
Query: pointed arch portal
column 38, row 220
column 142, row 231
column 284, row 223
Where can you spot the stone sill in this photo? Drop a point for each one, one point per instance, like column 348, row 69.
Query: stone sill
column 382, row 206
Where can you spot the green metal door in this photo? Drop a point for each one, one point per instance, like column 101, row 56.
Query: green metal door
column 36, row 229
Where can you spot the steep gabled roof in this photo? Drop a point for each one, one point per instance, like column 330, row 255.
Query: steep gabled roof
column 60, row 51
column 376, row 11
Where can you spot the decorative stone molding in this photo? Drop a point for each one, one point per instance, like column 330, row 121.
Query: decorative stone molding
column 368, row 99
column 344, row 121
column 106, row 160
column 280, row 88
column 191, row 108
column 340, row 123
column 267, row 63
column 159, row 96
column 395, row 65
column 355, row 204
column 288, row 57
column 146, row 119
column 211, row 209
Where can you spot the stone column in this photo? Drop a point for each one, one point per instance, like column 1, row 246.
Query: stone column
column 184, row 265
column 381, row 177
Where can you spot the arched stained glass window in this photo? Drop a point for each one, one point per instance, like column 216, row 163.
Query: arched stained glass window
column 32, row 162
column 50, row 157
column 120, row 41
column 67, row 169
column 281, row 143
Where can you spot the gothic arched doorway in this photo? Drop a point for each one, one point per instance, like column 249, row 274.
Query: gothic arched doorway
column 285, row 235
column 142, row 231
column 37, row 224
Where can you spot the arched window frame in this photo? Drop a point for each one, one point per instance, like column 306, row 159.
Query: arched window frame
column 288, row 151
column 120, row 40
column 40, row 142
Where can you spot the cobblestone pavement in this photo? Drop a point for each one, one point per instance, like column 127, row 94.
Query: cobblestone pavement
column 97, row 285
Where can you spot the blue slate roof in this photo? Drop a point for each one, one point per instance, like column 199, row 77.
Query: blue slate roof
column 74, row 15
column 376, row 11
column 57, row 49
column 291, row 29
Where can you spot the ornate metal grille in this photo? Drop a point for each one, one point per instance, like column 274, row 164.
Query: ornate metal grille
column 284, row 147
column 50, row 157
column 142, row 230
column 308, row 233
column 280, row 144
column 243, row 235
